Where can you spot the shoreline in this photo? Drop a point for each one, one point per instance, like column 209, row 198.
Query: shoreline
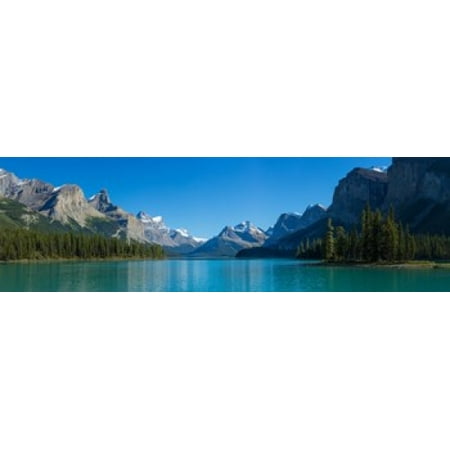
column 62, row 260
column 422, row 265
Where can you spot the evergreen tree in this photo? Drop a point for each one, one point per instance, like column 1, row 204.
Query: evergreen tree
column 329, row 242
column 341, row 244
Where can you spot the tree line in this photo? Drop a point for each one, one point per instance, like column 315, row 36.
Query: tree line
column 17, row 244
column 377, row 238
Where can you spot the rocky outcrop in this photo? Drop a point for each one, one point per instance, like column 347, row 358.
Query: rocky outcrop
column 128, row 225
column 359, row 187
column 67, row 204
column 33, row 193
column 8, row 183
column 101, row 202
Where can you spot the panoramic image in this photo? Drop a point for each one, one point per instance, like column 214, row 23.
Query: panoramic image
column 225, row 224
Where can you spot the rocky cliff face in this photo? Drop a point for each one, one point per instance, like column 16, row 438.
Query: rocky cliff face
column 101, row 202
column 69, row 203
column 65, row 204
column 359, row 187
column 33, row 193
column 68, row 206
column 406, row 177
column 128, row 225
column 8, row 183
column 419, row 190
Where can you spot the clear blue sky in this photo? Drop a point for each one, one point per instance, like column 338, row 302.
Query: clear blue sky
column 200, row 194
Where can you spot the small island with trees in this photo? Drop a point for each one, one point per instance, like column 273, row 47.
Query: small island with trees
column 377, row 240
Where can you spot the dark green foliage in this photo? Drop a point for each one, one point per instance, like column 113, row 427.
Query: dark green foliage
column 99, row 225
column 311, row 249
column 432, row 247
column 17, row 244
column 381, row 240
column 329, row 246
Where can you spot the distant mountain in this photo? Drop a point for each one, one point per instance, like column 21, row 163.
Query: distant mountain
column 288, row 223
column 176, row 241
column 231, row 240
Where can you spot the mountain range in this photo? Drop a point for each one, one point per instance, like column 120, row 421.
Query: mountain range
column 33, row 204
column 418, row 189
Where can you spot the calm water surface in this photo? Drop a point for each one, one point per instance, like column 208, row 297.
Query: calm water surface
column 214, row 275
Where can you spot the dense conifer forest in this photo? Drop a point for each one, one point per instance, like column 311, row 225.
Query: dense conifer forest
column 22, row 244
column 377, row 239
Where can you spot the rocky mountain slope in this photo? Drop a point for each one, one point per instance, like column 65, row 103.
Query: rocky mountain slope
column 127, row 224
column 354, row 191
column 66, row 207
column 231, row 240
column 178, row 241
column 417, row 188
column 16, row 215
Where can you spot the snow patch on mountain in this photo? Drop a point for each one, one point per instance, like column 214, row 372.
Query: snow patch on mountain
column 380, row 169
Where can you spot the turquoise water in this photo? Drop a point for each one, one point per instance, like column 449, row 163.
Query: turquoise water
column 215, row 276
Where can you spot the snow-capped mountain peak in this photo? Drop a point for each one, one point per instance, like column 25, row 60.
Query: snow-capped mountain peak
column 177, row 240
column 243, row 226
column 145, row 218
column 183, row 232
column 232, row 239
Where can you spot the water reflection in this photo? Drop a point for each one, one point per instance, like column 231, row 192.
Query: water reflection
column 214, row 276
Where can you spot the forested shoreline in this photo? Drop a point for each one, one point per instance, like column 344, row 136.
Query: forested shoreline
column 376, row 239
column 22, row 244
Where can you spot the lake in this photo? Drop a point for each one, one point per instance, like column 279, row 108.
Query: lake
column 214, row 275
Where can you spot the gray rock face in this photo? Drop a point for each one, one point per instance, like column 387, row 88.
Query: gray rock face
column 64, row 204
column 33, row 193
column 8, row 183
column 419, row 190
column 359, row 187
column 129, row 225
column 232, row 239
column 291, row 222
column 69, row 203
column 177, row 241
column 101, row 202
column 413, row 178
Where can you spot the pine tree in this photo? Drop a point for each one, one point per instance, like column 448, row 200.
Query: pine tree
column 329, row 242
column 341, row 244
